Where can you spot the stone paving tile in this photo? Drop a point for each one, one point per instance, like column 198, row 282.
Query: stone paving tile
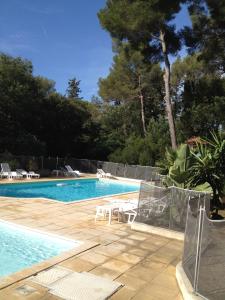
column 129, row 242
column 131, row 282
column 167, row 281
column 147, row 245
column 123, row 294
column 155, row 292
column 137, row 237
column 166, row 259
column 139, row 252
column 153, row 265
column 110, row 250
column 22, row 291
column 105, row 272
column 95, row 259
column 78, row 265
column 121, row 233
column 116, row 265
column 143, row 273
column 129, row 258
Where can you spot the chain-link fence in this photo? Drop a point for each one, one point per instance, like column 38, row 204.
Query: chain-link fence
column 165, row 207
column 47, row 164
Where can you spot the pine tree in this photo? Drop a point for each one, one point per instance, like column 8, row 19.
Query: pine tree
column 207, row 34
column 147, row 23
column 73, row 89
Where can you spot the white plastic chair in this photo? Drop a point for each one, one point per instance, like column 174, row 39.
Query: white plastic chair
column 70, row 171
column 101, row 174
column 106, row 210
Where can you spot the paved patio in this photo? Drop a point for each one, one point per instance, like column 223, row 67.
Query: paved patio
column 144, row 263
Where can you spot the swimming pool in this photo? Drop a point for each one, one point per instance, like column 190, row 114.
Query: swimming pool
column 21, row 248
column 67, row 190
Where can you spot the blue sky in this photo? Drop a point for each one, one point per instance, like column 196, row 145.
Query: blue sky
column 62, row 38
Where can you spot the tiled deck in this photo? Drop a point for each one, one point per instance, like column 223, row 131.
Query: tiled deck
column 144, row 263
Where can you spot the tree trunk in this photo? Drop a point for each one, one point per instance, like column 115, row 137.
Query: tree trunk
column 142, row 107
column 166, row 78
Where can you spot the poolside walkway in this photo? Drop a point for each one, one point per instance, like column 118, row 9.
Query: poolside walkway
column 144, row 263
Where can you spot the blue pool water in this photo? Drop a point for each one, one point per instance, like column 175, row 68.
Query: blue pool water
column 21, row 248
column 67, row 190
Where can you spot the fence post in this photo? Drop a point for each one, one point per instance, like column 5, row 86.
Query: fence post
column 198, row 250
column 57, row 162
column 170, row 204
column 135, row 172
column 124, row 170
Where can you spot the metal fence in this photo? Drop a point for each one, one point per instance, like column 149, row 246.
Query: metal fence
column 165, row 207
column 204, row 254
column 46, row 164
column 204, row 244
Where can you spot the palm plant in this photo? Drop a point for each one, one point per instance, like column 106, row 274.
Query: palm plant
column 168, row 161
column 177, row 167
column 200, row 168
column 209, row 167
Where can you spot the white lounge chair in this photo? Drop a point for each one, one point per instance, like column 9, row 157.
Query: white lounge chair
column 7, row 173
column 72, row 172
column 28, row 175
column 14, row 175
column 101, row 174
column 34, row 175
column 23, row 173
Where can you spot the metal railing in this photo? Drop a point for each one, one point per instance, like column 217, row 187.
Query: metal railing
column 204, row 255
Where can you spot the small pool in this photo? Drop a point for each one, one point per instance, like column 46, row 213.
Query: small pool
column 67, row 190
column 21, row 248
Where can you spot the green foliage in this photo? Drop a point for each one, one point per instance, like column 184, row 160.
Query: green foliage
column 147, row 150
column 179, row 163
column 130, row 79
column 10, row 159
column 35, row 120
column 167, row 161
column 201, row 168
column 199, row 95
column 140, row 21
column 209, row 165
column 32, row 165
column 73, row 89
column 147, row 26
column 207, row 34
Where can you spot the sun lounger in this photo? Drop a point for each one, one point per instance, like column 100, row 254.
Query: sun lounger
column 34, row 175
column 102, row 174
column 23, row 173
column 70, row 172
column 7, row 173
column 14, row 175
column 28, row 175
